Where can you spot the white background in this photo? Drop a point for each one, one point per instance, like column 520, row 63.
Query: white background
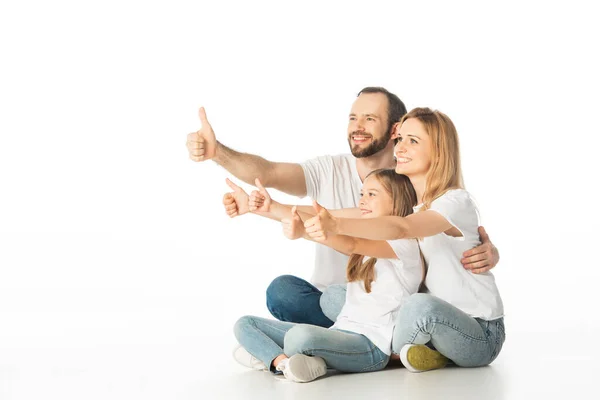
column 121, row 276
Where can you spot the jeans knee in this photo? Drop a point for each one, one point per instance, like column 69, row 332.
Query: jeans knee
column 332, row 300
column 419, row 305
column 298, row 339
column 278, row 289
column 241, row 325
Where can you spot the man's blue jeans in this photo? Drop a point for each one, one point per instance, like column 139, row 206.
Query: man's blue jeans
column 292, row 299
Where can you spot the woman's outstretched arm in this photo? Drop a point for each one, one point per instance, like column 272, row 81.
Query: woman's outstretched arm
column 293, row 228
column 422, row 224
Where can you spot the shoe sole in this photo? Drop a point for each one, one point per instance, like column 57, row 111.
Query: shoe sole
column 302, row 368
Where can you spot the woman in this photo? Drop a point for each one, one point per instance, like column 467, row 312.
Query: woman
column 462, row 315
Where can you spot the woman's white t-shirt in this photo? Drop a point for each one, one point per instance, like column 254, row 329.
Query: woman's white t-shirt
column 374, row 314
column 475, row 294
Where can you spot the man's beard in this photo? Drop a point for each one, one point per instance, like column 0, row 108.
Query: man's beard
column 375, row 147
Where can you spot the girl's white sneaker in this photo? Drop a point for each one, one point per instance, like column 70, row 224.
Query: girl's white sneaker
column 247, row 360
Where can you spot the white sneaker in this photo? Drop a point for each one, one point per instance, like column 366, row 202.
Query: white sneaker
column 302, row 368
column 247, row 360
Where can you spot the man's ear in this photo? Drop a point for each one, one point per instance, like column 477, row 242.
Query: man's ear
column 395, row 128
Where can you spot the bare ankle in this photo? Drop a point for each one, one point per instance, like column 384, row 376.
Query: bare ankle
column 279, row 359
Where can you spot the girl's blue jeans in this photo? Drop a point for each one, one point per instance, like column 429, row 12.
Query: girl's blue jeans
column 344, row 351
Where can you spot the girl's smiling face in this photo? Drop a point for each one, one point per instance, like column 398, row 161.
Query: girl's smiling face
column 375, row 201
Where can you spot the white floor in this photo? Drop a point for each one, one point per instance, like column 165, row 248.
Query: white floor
column 183, row 370
column 86, row 317
column 165, row 354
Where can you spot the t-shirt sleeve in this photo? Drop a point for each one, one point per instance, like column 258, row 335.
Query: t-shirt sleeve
column 458, row 208
column 317, row 171
column 405, row 249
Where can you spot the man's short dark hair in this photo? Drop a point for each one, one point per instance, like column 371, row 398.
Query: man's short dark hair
column 396, row 108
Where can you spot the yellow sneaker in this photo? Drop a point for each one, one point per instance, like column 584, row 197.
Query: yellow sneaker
column 420, row 358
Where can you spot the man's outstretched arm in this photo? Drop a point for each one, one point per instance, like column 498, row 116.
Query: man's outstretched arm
column 285, row 177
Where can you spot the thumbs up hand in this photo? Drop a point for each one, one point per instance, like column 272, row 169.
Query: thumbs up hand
column 292, row 227
column 260, row 200
column 202, row 145
column 236, row 202
column 318, row 226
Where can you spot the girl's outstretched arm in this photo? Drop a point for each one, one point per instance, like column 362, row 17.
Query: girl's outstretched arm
column 238, row 203
column 352, row 245
column 261, row 203
column 340, row 213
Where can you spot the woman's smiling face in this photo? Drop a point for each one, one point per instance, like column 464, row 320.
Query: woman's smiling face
column 413, row 149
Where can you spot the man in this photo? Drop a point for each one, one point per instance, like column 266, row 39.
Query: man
column 334, row 182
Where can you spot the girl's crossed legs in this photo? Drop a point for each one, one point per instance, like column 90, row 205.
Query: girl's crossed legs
column 344, row 351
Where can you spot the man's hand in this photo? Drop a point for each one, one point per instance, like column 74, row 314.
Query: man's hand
column 260, row 200
column 318, row 226
column 482, row 258
column 236, row 202
column 292, row 227
column 202, row 145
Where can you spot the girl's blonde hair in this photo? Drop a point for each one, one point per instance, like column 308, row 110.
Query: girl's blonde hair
column 404, row 199
column 445, row 172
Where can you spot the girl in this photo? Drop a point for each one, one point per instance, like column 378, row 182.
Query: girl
column 360, row 340
column 462, row 316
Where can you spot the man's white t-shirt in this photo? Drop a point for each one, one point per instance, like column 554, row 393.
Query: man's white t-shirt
column 475, row 294
column 374, row 314
column 333, row 181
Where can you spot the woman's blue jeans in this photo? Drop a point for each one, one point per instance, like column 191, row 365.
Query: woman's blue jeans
column 467, row 341
column 344, row 351
column 426, row 319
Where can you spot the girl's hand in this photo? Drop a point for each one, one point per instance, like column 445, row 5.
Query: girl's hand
column 318, row 226
column 236, row 202
column 260, row 200
column 292, row 227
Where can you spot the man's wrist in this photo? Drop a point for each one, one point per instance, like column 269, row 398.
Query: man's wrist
column 217, row 157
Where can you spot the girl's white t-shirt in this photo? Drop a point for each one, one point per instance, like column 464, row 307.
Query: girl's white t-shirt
column 475, row 294
column 374, row 314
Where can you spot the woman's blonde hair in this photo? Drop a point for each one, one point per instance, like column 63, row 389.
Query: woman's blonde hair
column 444, row 172
column 404, row 199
